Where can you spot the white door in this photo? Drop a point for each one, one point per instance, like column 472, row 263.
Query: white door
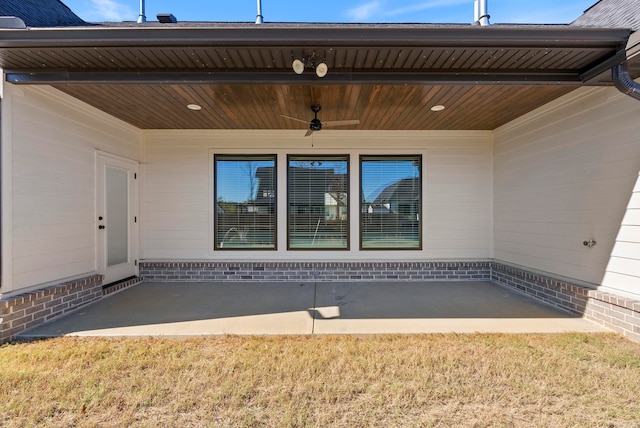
column 116, row 222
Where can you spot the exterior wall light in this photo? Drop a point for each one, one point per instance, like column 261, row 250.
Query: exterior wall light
column 322, row 69
column 299, row 65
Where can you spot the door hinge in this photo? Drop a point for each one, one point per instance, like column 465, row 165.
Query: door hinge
column 135, row 263
column 135, row 219
column 135, row 175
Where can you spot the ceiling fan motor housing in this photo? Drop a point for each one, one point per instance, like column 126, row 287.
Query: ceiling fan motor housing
column 315, row 125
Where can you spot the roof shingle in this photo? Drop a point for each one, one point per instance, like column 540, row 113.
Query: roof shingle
column 40, row 13
column 611, row 14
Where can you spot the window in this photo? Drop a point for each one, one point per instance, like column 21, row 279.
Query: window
column 318, row 202
column 245, row 207
column 390, row 191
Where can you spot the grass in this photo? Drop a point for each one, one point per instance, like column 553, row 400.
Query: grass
column 480, row 380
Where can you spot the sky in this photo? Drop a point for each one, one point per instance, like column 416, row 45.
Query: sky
column 344, row 11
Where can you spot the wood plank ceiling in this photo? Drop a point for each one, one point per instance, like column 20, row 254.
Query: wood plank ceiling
column 388, row 77
column 378, row 107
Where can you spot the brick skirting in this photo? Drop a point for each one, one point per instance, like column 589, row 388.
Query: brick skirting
column 120, row 285
column 27, row 310
column 317, row 271
column 24, row 311
column 562, row 294
column 617, row 313
column 620, row 314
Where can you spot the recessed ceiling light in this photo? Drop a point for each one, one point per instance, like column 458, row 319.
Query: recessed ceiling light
column 194, row 107
column 438, row 107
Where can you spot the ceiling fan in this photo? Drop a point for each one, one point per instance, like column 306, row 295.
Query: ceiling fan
column 316, row 125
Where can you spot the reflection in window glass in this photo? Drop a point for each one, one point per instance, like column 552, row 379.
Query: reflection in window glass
column 390, row 188
column 318, row 202
column 245, row 195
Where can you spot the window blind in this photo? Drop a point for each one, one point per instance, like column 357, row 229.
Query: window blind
column 391, row 201
column 318, row 202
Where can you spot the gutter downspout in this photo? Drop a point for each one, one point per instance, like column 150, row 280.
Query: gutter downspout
column 619, row 73
column 624, row 82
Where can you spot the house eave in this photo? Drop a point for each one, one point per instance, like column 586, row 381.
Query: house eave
column 130, row 71
column 327, row 35
column 337, row 77
column 532, row 54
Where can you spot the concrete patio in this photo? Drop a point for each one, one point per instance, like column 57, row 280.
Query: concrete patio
column 195, row 309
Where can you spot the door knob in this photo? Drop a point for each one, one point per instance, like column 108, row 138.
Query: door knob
column 101, row 227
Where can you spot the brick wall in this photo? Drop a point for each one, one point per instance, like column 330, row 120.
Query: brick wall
column 319, row 271
column 19, row 313
column 617, row 313
column 120, row 285
column 556, row 292
column 24, row 311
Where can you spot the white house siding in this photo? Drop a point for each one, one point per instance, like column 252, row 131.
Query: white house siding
column 177, row 200
column 623, row 271
column 53, row 139
column 564, row 174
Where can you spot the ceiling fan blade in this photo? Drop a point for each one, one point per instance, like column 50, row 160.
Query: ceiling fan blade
column 309, row 132
column 294, row 118
column 341, row 122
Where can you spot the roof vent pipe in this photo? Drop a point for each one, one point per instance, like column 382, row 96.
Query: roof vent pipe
column 481, row 17
column 142, row 18
column 259, row 19
column 624, row 82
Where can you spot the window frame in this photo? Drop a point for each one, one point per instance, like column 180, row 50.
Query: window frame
column 249, row 157
column 344, row 157
column 417, row 156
